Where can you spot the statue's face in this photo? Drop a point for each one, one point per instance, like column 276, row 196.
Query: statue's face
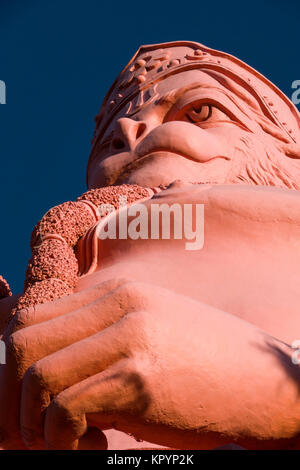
column 188, row 132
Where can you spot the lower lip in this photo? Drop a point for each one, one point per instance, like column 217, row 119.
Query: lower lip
column 161, row 153
column 164, row 153
column 137, row 162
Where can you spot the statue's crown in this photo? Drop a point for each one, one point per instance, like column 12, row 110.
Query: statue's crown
column 135, row 85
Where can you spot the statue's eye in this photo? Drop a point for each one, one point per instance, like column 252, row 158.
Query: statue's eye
column 199, row 113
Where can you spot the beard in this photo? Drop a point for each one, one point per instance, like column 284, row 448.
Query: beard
column 263, row 164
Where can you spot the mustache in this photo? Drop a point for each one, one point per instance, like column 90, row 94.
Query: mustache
column 176, row 137
column 183, row 139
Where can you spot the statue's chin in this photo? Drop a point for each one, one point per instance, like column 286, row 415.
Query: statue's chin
column 143, row 178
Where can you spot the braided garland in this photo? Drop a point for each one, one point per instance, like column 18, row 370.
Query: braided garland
column 52, row 271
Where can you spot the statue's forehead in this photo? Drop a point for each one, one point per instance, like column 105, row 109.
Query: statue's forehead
column 183, row 79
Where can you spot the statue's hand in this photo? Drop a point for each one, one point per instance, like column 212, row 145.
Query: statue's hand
column 143, row 360
column 111, row 351
column 122, row 354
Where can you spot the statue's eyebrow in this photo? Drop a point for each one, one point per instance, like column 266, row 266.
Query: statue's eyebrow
column 171, row 96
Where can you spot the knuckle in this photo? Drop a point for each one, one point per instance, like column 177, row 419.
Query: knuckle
column 63, row 411
column 23, row 318
column 18, row 352
column 34, row 377
column 110, row 285
column 16, row 344
column 139, row 326
column 136, row 294
column 139, row 318
column 20, row 320
column 59, row 410
column 63, row 422
column 134, row 367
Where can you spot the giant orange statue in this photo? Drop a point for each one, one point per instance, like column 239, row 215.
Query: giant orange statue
column 126, row 343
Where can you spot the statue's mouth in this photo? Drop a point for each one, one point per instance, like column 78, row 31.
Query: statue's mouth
column 140, row 160
column 159, row 151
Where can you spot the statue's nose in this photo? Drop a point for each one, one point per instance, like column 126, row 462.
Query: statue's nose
column 128, row 133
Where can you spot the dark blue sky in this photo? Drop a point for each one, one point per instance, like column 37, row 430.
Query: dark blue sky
column 58, row 59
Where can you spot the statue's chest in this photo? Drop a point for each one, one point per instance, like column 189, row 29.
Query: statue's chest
column 255, row 280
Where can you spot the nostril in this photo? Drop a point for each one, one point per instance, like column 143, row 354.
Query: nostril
column 118, row 144
column 140, row 130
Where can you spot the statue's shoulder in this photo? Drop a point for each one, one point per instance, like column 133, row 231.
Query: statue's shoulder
column 260, row 203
